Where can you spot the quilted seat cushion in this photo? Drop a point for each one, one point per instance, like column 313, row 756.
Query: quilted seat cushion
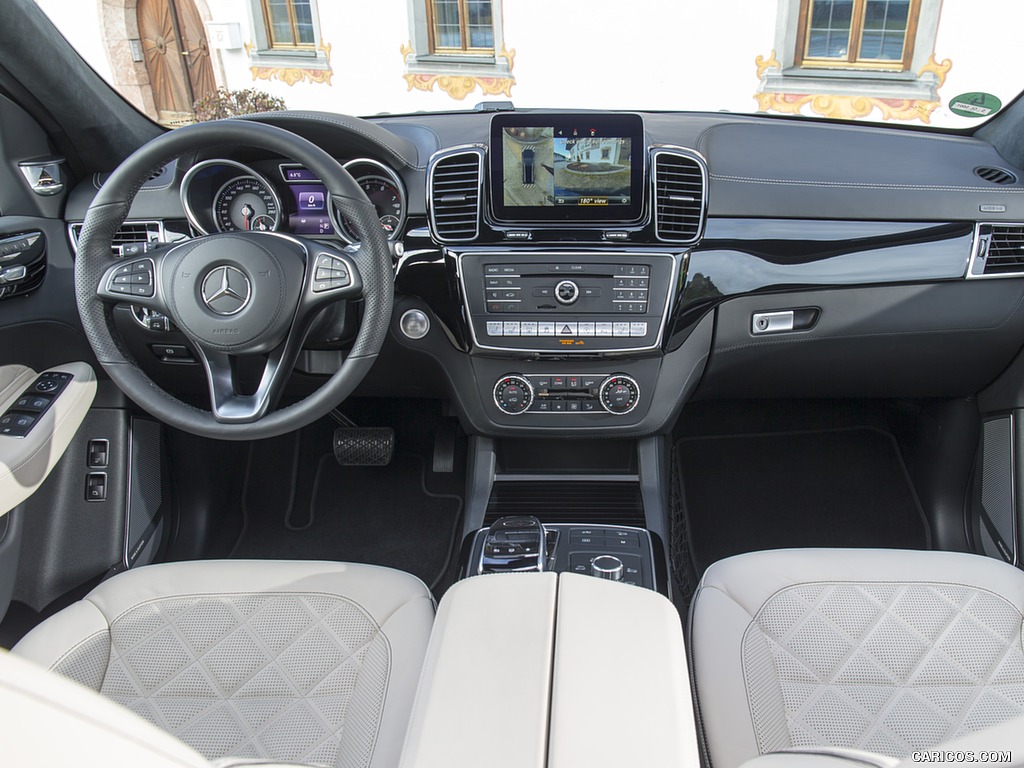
column 877, row 650
column 300, row 676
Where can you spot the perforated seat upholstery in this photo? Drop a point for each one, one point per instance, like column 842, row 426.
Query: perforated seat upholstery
column 299, row 662
column 885, row 651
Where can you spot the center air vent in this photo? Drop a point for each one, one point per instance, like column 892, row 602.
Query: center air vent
column 680, row 195
column 998, row 251
column 128, row 232
column 455, row 183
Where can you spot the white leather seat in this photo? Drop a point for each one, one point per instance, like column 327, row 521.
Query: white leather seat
column 885, row 651
column 298, row 662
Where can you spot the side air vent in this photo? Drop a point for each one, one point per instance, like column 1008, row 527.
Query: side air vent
column 995, row 175
column 680, row 180
column 998, row 251
column 455, row 184
column 129, row 232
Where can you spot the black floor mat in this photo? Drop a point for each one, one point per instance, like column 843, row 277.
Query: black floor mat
column 835, row 488
column 299, row 504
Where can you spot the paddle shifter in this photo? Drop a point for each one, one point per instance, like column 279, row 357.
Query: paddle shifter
column 515, row 543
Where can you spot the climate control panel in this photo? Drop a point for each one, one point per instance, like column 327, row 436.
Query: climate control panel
column 615, row 393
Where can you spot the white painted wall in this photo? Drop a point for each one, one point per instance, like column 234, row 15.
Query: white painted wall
column 641, row 54
column 79, row 22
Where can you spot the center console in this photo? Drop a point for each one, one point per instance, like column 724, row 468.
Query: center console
column 524, row 544
column 567, row 237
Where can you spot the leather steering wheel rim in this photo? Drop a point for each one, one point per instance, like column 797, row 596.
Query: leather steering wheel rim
column 110, row 209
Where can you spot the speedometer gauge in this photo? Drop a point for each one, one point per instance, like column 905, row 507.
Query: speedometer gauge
column 246, row 203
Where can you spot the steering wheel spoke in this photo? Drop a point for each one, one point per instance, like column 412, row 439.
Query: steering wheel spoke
column 331, row 275
column 230, row 407
column 135, row 281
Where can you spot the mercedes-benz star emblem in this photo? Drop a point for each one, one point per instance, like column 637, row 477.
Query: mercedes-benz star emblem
column 226, row 290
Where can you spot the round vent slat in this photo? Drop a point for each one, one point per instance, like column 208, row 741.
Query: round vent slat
column 994, row 175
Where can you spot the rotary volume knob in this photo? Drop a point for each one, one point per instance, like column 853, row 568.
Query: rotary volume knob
column 566, row 292
column 513, row 394
column 619, row 394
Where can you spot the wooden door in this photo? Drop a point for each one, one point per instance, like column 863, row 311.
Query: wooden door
column 197, row 52
column 176, row 53
column 164, row 57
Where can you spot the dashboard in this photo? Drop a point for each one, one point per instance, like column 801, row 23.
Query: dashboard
column 584, row 273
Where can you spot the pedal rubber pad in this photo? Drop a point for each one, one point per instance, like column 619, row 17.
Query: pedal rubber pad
column 364, row 446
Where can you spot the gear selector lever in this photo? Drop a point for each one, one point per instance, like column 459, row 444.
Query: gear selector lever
column 514, row 543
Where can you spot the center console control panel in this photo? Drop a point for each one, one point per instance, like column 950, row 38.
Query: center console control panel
column 616, row 393
column 561, row 302
column 619, row 553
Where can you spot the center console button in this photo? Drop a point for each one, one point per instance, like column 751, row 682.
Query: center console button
column 586, row 329
column 545, row 329
column 603, row 329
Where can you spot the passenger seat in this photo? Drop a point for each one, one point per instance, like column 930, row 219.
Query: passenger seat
column 885, row 652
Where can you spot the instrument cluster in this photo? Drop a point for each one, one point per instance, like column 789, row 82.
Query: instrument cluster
column 222, row 195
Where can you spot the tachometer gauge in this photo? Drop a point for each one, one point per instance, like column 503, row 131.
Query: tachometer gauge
column 384, row 188
column 246, row 203
column 387, row 199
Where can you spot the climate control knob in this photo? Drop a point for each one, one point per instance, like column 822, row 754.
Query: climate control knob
column 513, row 394
column 619, row 394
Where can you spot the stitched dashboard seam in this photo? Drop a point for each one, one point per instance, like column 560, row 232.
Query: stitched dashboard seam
column 863, row 185
column 864, row 130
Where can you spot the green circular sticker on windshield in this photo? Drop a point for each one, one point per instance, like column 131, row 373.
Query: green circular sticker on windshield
column 975, row 104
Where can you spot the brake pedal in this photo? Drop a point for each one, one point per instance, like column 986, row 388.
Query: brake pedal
column 364, row 446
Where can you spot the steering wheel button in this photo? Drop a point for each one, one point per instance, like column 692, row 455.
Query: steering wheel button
column 122, row 280
column 121, row 288
column 142, row 278
column 142, row 290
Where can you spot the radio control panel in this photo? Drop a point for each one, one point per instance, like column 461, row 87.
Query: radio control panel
column 562, row 302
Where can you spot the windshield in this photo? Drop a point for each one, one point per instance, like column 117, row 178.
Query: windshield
column 943, row 63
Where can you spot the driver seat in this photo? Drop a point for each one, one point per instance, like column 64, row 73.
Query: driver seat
column 298, row 662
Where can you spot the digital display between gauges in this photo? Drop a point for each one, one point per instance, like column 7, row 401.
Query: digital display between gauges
column 313, row 216
column 246, row 203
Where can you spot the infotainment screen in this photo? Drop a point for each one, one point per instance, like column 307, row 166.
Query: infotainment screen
column 566, row 168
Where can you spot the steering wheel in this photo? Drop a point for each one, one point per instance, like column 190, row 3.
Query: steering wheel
column 234, row 294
